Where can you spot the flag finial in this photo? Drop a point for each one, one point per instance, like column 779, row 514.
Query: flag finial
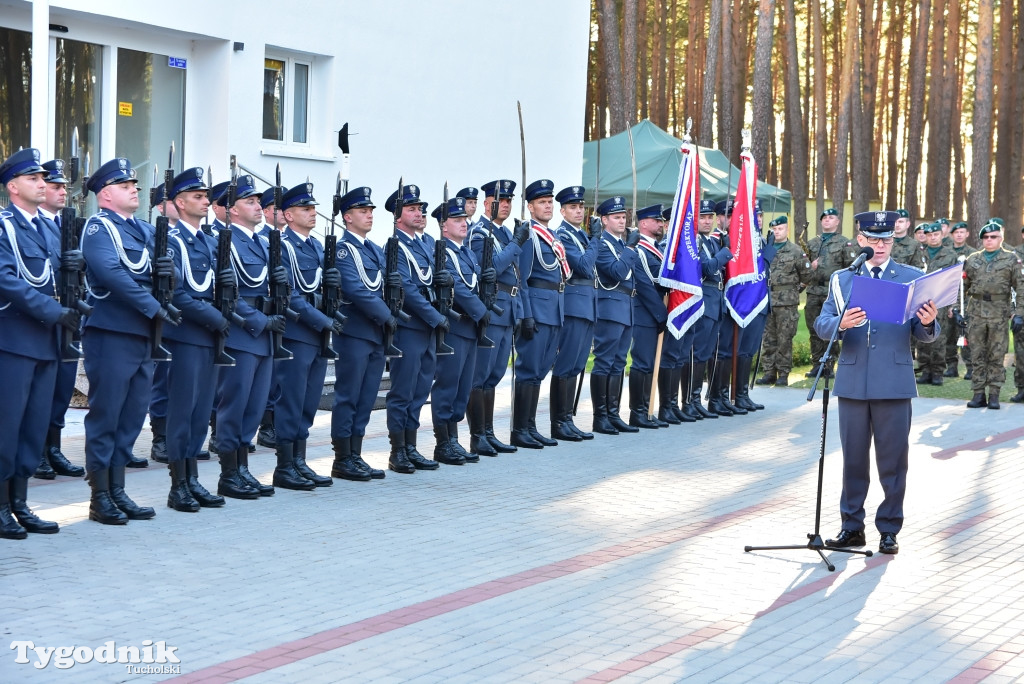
column 689, row 126
column 745, row 136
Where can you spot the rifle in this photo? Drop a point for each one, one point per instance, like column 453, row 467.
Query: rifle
column 394, row 296
column 163, row 287
column 279, row 293
column 224, row 299
column 489, row 291
column 71, row 287
column 444, row 297
column 330, row 297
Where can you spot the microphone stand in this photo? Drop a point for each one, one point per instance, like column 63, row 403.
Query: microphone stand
column 814, row 540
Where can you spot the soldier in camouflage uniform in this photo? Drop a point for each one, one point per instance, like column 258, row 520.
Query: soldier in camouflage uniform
column 905, row 249
column 789, row 272
column 952, row 332
column 830, row 252
column 1018, row 340
column 931, row 356
column 989, row 277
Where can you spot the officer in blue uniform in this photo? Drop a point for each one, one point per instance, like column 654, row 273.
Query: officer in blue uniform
column 360, row 346
column 714, row 255
column 453, row 379
column 415, row 336
column 158, row 398
column 649, row 316
column 273, row 217
column 301, row 380
column 674, row 368
column 491, row 364
column 616, row 260
column 471, row 195
column 53, row 461
column 577, row 333
column 29, row 317
column 720, row 370
column 116, row 339
column 875, row 383
column 217, row 206
column 189, row 375
column 243, row 388
column 751, row 336
column 543, row 271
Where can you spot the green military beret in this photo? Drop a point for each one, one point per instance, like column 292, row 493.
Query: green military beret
column 922, row 227
column 997, row 220
column 959, row 225
column 932, row 227
column 778, row 221
column 991, row 227
column 828, row 212
column 942, row 221
column 903, row 213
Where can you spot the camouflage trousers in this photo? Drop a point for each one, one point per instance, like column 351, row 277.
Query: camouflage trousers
column 931, row 356
column 779, row 330
column 812, row 309
column 951, row 331
column 1018, row 362
column 989, row 338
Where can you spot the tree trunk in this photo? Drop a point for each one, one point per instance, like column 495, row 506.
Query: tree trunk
column 795, row 120
column 1004, row 86
column 629, row 59
column 608, row 28
column 705, row 134
column 821, row 127
column 725, row 98
column 847, row 85
column 764, row 114
column 915, row 121
column 896, row 41
column 1014, row 205
column 979, row 199
column 933, row 107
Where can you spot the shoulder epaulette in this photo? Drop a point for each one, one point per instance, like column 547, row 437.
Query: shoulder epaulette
column 6, row 214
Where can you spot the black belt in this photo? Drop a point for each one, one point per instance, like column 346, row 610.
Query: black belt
column 546, row 284
column 625, row 290
column 582, row 282
column 258, row 303
column 511, row 289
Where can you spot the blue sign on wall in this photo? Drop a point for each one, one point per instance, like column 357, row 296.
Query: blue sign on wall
column 177, row 62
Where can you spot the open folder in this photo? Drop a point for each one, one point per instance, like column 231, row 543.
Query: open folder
column 886, row 301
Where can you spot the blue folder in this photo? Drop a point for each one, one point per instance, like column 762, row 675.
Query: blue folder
column 886, row 301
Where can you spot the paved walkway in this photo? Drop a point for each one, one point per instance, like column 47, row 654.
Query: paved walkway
column 619, row 559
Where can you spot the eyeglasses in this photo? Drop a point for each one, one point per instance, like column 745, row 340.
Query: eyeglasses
column 884, row 241
column 990, row 236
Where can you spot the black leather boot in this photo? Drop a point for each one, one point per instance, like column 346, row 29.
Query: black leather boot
column 357, row 454
column 44, row 471
column 478, row 442
column 60, row 464
column 614, row 397
column 569, row 408
column 197, row 490
column 303, row 468
column 498, row 445
column 718, row 389
column 10, row 528
column 136, row 462
column 418, row 460
column 453, row 439
column 399, row 460
column 978, row 401
column 180, row 498
column 665, row 382
column 345, row 467
column 123, row 501
column 101, row 507
column 1018, row 397
column 993, row 403
column 531, row 423
column 521, row 436
column 559, row 429
column 599, row 397
column 443, row 452
column 681, row 408
column 724, row 392
column 19, row 507
column 683, row 379
column 743, row 399
column 639, row 397
column 248, row 477
column 285, row 474
column 158, row 451
column 769, row 377
column 696, row 385
column 267, row 435
column 231, row 483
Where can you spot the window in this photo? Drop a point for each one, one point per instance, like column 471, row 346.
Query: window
column 77, row 106
column 15, row 83
column 286, row 84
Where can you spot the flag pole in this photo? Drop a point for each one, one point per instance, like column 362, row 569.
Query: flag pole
column 734, row 381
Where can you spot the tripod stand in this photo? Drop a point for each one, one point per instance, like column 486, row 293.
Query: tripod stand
column 815, row 542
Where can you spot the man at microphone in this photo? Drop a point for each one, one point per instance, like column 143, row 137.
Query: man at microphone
column 875, row 383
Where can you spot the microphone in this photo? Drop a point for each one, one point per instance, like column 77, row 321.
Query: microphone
column 865, row 254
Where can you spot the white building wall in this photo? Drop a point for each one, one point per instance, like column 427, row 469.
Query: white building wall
column 429, row 89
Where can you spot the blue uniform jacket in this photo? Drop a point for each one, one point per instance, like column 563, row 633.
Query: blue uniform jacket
column 543, row 305
column 466, row 271
column 506, row 264
column 28, row 314
column 422, row 314
column 713, row 258
column 308, row 258
column 875, row 361
column 363, row 305
column 649, row 304
column 122, row 300
column 615, row 264
column 200, row 319
column 581, row 253
column 250, row 259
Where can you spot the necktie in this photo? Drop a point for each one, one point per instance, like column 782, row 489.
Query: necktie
column 876, row 272
column 38, row 223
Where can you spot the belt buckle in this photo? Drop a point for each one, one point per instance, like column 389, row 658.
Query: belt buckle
column 561, row 287
column 721, row 285
column 594, row 283
column 633, row 293
column 515, row 290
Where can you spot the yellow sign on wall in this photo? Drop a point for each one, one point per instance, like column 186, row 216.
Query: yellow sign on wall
column 124, row 108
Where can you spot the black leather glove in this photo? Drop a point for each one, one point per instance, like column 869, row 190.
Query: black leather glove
column 332, row 278
column 528, row 328
column 70, row 318
column 771, row 238
column 596, row 227
column 489, row 276
column 279, row 276
column 632, row 238
column 337, row 327
column 224, row 325
column 164, row 267
column 275, row 324
column 226, row 279
column 172, row 318
column 443, row 279
column 486, row 320
column 521, row 234
column 662, row 327
column 394, row 279
column 391, row 325
column 443, row 325
column 959, row 319
column 72, row 261
column 724, row 239
column 1017, row 325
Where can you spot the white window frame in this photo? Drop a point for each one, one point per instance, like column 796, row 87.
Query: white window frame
column 288, row 97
